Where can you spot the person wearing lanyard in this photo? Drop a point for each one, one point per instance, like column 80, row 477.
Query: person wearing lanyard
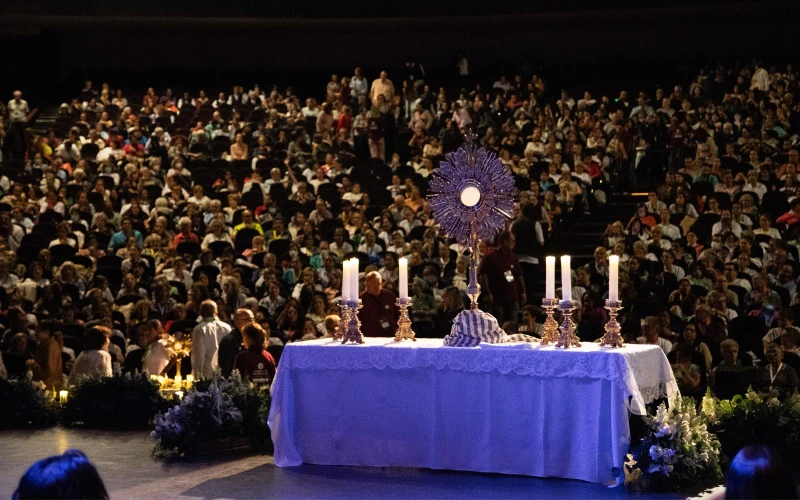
column 380, row 312
column 779, row 379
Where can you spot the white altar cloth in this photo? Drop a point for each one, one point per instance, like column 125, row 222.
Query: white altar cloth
column 541, row 411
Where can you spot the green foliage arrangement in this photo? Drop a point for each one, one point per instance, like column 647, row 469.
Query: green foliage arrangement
column 755, row 419
column 127, row 402
column 25, row 403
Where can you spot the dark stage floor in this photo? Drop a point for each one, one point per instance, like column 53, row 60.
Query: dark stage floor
column 125, row 463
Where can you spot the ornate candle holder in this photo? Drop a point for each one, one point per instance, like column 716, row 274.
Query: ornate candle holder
column 344, row 319
column 612, row 337
column 550, row 324
column 567, row 337
column 353, row 333
column 404, row 330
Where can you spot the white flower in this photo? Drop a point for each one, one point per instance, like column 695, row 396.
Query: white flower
column 703, row 457
column 774, row 402
column 753, row 396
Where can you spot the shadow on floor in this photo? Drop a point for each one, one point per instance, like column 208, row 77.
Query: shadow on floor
column 315, row 481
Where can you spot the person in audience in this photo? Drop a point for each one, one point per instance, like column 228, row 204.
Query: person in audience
column 94, row 360
column 66, row 476
column 686, row 373
column 155, row 358
column 206, row 338
column 777, row 378
column 379, row 313
column 729, row 349
column 46, row 364
column 650, row 334
column 689, row 338
column 501, row 276
column 734, row 239
column 16, row 356
column 231, row 344
column 254, row 363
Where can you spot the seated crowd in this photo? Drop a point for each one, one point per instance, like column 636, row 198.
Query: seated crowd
column 141, row 215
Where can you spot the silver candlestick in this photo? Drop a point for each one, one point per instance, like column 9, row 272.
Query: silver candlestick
column 344, row 319
column 353, row 333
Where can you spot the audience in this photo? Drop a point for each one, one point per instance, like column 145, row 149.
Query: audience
column 147, row 209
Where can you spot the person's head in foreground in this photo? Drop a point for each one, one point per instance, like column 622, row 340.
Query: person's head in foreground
column 758, row 472
column 70, row 475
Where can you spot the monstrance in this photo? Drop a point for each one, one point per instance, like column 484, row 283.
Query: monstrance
column 472, row 196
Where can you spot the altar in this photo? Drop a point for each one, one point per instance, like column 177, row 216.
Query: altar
column 512, row 409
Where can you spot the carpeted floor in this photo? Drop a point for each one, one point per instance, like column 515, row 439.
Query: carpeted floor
column 129, row 471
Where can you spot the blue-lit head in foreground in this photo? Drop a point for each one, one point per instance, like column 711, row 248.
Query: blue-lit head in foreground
column 758, row 472
column 70, row 475
column 472, row 185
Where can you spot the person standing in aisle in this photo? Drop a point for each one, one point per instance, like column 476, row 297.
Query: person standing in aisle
column 205, row 340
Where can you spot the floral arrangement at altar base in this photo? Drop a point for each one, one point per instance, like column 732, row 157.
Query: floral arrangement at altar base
column 755, row 419
column 677, row 452
column 26, row 403
column 124, row 402
column 213, row 414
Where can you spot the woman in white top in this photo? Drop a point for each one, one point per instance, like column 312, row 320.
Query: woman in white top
column 766, row 228
column 94, row 361
column 217, row 233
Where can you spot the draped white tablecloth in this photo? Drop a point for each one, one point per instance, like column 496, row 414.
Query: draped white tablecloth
column 540, row 411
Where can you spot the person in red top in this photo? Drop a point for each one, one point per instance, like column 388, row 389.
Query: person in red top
column 792, row 215
column 255, row 363
column 502, row 280
column 186, row 234
column 345, row 120
column 380, row 312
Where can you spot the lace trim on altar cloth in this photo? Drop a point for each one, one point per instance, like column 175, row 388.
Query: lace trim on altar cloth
column 643, row 374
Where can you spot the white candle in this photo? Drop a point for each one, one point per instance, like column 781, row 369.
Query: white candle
column 354, row 279
column 346, row 280
column 550, row 277
column 613, row 278
column 403, row 278
column 566, row 279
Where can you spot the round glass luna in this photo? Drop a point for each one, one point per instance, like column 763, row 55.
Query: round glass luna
column 470, row 196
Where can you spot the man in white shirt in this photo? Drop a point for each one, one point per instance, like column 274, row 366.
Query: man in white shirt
column 668, row 260
column 382, row 86
column 359, row 87
column 310, row 110
column 650, row 335
column 18, row 108
column 587, row 101
column 205, row 340
column 667, row 229
column 155, row 358
column 727, row 225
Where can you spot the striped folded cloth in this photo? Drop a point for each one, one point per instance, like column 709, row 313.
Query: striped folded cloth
column 471, row 327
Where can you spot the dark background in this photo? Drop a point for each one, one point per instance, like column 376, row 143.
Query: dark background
column 48, row 47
